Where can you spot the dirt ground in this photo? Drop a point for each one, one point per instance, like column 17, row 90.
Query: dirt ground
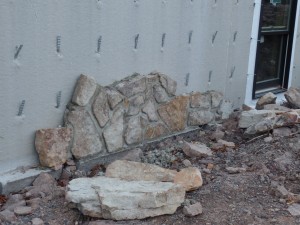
column 248, row 197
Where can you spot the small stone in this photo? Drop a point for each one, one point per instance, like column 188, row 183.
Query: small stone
column 34, row 203
column 132, row 85
column 187, row 163
column 168, row 84
column 268, row 139
column 134, row 105
column 226, row 109
column 233, row 170
column 294, row 209
column 7, row 216
column 210, row 166
column 196, row 149
column 84, row 90
column 155, row 130
column 190, row 178
column 216, row 98
column 37, row 221
column 44, row 178
column 282, row 132
column 160, row 94
column 133, row 155
column 192, row 210
column 200, row 117
column 101, row 108
column 23, row 210
column 268, row 98
column 114, row 98
column 218, row 134
column 200, row 100
column 133, row 133
column 226, row 143
column 293, row 97
column 149, row 109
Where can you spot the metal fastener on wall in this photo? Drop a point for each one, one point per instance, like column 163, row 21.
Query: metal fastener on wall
column 58, row 43
column 234, row 36
column 190, row 37
column 209, row 76
column 214, row 37
column 187, row 79
column 99, row 44
column 136, row 41
column 58, row 99
column 232, row 72
column 18, row 49
column 163, row 38
column 21, row 108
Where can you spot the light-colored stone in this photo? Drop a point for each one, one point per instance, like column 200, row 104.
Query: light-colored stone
column 84, row 90
column 275, row 107
column 227, row 143
column 168, row 84
column 37, row 221
column 23, row 210
column 132, row 85
column 284, row 161
column 154, row 131
column 192, row 210
column 233, row 170
column 14, row 201
column 226, row 109
column 7, row 216
column 200, row 117
column 294, row 209
column 265, row 125
column 282, row 132
column 252, row 117
column 86, row 138
column 44, row 178
column 150, row 110
column 286, row 119
column 196, row 149
column 134, row 131
column 293, row 97
column 187, row 163
column 139, row 171
column 189, row 178
column 200, row 100
column 112, row 198
column 160, row 94
column 217, row 135
column 52, row 145
column 113, row 134
column 101, row 108
column 135, row 105
column 266, row 99
column 268, row 139
column 216, row 98
column 174, row 113
column 133, row 155
column 114, row 98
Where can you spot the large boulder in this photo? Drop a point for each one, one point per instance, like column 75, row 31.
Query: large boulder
column 266, row 99
column 293, row 97
column 116, row 199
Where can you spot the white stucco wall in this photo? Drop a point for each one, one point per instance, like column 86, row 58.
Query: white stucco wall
column 39, row 72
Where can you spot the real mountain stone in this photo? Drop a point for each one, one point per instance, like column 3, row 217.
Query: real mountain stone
column 200, row 117
column 155, row 130
column 160, row 94
column 130, row 87
column 134, row 131
column 114, row 98
column 84, row 90
column 200, row 100
column 293, row 97
column 101, row 108
column 150, row 110
column 168, row 84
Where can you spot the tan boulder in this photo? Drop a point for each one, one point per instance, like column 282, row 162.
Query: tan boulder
column 190, row 178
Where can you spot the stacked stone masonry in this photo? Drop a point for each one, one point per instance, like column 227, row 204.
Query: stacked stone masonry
column 137, row 109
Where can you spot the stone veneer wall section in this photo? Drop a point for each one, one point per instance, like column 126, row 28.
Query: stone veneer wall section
column 134, row 110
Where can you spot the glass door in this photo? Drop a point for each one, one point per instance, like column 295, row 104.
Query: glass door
column 274, row 46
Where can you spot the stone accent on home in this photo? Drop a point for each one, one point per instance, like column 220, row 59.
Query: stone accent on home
column 139, row 108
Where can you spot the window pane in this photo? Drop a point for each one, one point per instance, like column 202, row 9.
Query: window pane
column 276, row 14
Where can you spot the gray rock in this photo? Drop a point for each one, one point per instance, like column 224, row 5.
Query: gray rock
column 7, row 216
column 200, row 117
column 233, row 170
column 200, row 100
column 86, row 138
column 252, row 117
column 168, row 84
column 293, row 97
column 84, row 90
column 275, row 107
column 37, row 221
column 192, row 210
column 135, row 105
column 160, row 94
column 134, row 131
column 113, row 134
column 266, row 99
column 226, row 109
column 114, row 98
column 196, row 149
column 133, row 155
column 216, row 98
column 23, row 210
column 284, row 161
column 132, row 85
column 294, row 209
column 101, row 108
column 123, row 200
column 150, row 110
column 187, row 163
column 282, row 132
column 217, row 135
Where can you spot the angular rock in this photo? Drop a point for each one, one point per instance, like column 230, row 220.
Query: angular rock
column 282, row 132
column 134, row 105
column 293, row 97
column 294, row 209
column 133, row 155
column 101, row 108
column 154, row 131
column 226, row 109
column 275, row 107
column 132, row 85
column 114, row 98
column 86, row 138
column 150, row 110
column 23, row 210
column 192, row 210
column 266, row 99
column 168, row 84
column 112, row 198
column 226, row 143
column 134, row 131
column 233, row 170
column 37, row 221
column 113, row 134
column 200, row 100
column 262, row 126
column 84, row 90
column 52, row 145
column 252, row 117
column 160, row 94
column 196, row 149
column 7, row 216
column 187, row 163
column 174, row 113
column 14, row 201
column 216, row 98
column 217, row 135
column 44, row 178
column 189, row 178
column 129, row 171
column 200, row 117
column 286, row 119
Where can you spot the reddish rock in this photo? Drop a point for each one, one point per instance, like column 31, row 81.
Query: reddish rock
column 192, row 210
column 154, row 131
column 190, row 178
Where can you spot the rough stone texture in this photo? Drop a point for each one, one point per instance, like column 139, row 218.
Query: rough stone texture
column 294, row 209
column 192, row 210
column 149, row 109
column 101, row 108
column 200, row 100
column 160, row 94
column 133, row 155
column 168, row 84
column 282, row 132
column 174, row 113
column 22, row 210
column 196, row 150
column 189, row 178
column 134, row 105
column 226, row 109
column 268, row 98
column 86, row 138
column 275, row 107
column 139, row 171
column 37, row 221
column 252, row 117
column 155, row 131
column 123, row 200
column 130, row 87
column 216, row 98
column 134, row 131
column 7, row 216
column 114, row 98
column 84, row 90
column 262, row 126
column 52, row 145
column 200, row 117
column 113, row 134
column 293, row 97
